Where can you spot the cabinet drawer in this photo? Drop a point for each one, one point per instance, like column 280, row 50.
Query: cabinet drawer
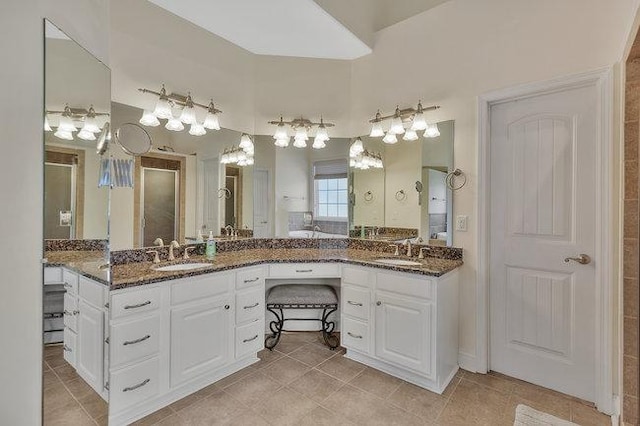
column 250, row 277
column 52, row 275
column 134, row 302
column 131, row 385
column 134, row 340
column 356, row 301
column 69, row 347
column 357, row 276
column 304, row 270
column 198, row 288
column 249, row 305
column 92, row 292
column 70, row 280
column 249, row 339
column 355, row 334
column 71, row 311
column 402, row 284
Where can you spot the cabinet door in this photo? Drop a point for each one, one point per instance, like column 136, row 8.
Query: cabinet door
column 403, row 332
column 90, row 357
column 200, row 339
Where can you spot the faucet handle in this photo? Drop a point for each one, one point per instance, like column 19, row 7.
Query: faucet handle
column 185, row 255
column 421, row 253
column 156, row 258
column 397, row 252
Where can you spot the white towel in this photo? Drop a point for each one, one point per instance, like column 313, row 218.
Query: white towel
column 527, row 416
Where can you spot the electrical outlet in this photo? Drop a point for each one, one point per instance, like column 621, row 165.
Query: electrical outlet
column 461, row 223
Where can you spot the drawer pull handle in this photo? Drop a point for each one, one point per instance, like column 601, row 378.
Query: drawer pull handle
column 378, row 303
column 106, row 340
column 354, row 303
column 251, row 339
column 67, row 313
column 67, row 285
column 355, row 336
column 76, row 312
column 252, row 281
column 139, row 305
column 67, row 348
column 139, row 385
column 106, row 305
column 133, row 342
column 304, row 270
column 252, row 306
column 226, row 307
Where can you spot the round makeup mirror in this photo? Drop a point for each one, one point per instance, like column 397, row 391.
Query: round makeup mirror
column 133, row 139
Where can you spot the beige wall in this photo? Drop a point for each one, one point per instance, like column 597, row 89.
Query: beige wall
column 21, row 175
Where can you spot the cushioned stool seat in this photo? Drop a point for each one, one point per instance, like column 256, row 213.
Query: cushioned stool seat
column 301, row 296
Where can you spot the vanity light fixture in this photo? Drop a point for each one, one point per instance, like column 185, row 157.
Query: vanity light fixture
column 360, row 158
column 242, row 155
column 67, row 123
column 413, row 117
column 301, row 127
column 165, row 105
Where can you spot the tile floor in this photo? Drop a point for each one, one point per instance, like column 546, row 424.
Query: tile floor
column 304, row 383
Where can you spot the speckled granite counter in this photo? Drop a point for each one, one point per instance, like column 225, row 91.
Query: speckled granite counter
column 140, row 273
column 89, row 263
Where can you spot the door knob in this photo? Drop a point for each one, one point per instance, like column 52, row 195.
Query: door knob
column 583, row 259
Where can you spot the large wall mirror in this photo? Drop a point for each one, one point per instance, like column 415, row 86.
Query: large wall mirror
column 75, row 220
column 408, row 197
column 180, row 188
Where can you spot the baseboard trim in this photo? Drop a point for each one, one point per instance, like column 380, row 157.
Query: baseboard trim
column 467, row 362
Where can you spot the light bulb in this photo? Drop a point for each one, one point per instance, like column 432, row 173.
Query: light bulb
column 211, row 121
column 174, row 124
column 376, row 130
column 87, row 136
column 63, row 134
column 47, row 127
column 299, row 142
column 197, row 129
column 432, row 131
column 397, row 128
column 318, row 143
column 390, row 138
column 149, row 119
column 419, row 122
column 410, row 135
column 282, row 143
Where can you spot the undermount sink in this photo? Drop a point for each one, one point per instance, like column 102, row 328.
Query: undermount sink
column 398, row 262
column 181, row 267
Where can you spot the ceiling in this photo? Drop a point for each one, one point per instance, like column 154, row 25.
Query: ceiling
column 329, row 29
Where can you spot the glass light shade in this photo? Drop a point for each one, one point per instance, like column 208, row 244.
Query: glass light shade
column 91, row 124
column 419, row 123
column 376, row 130
column 352, row 162
column 197, row 129
column 301, row 133
column 356, row 147
column 149, row 119
column 188, row 115
column 322, row 134
column 282, row 143
column 432, row 131
column 163, row 109
column 66, row 124
column 390, row 138
column 47, row 127
column 174, row 125
column 281, row 132
column 63, row 134
column 223, row 158
column 299, row 142
column 318, row 143
column 241, row 155
column 211, row 121
column 245, row 142
column 410, row 135
column 87, row 136
column 397, row 128
column 250, row 160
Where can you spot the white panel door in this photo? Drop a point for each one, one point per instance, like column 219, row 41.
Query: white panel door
column 261, row 204
column 90, row 356
column 543, row 211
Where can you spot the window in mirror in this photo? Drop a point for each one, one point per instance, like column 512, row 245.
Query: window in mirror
column 330, row 190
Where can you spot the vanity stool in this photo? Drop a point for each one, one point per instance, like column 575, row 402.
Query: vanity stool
column 302, row 296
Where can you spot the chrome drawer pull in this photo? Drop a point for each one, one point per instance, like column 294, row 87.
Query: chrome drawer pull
column 252, row 281
column 250, row 340
column 139, row 305
column 355, row 336
column 354, row 303
column 67, row 348
column 139, row 385
column 252, row 306
column 76, row 312
column 304, row 270
column 107, row 340
column 67, row 285
column 67, row 313
column 133, row 342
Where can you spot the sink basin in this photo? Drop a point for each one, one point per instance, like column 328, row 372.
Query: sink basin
column 181, row 267
column 398, row 262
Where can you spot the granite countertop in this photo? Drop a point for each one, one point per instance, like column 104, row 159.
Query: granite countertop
column 140, row 273
column 89, row 263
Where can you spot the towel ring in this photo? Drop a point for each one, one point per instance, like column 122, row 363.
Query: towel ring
column 401, row 195
column 224, row 192
column 451, row 177
column 368, row 196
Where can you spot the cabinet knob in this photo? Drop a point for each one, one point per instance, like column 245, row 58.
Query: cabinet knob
column 378, row 303
column 226, row 306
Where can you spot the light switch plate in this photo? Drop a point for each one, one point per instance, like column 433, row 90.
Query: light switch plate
column 461, row 223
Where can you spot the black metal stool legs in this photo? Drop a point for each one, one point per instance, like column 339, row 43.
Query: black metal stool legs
column 330, row 339
column 276, row 328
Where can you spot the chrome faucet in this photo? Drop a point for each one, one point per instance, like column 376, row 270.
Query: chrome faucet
column 174, row 244
column 229, row 230
column 185, row 255
column 156, row 258
column 158, row 242
column 407, row 243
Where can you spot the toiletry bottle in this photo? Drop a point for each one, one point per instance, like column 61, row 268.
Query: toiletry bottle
column 199, row 238
column 362, row 231
column 210, row 251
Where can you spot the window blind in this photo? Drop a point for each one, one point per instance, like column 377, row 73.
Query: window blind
column 330, row 169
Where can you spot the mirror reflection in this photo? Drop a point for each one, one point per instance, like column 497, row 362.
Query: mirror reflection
column 184, row 187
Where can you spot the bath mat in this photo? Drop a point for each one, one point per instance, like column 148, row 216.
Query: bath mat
column 527, row 416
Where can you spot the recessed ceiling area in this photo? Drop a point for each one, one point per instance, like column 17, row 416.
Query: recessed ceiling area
column 390, row 12
column 298, row 28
